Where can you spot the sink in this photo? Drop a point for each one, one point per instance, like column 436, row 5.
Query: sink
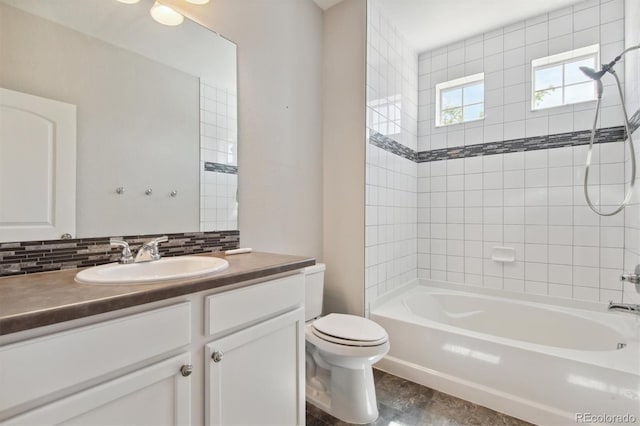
column 168, row 268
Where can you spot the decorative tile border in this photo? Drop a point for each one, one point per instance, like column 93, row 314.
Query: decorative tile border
column 634, row 121
column 220, row 168
column 390, row 145
column 559, row 140
column 40, row 256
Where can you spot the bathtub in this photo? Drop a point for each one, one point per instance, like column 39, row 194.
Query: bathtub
column 544, row 360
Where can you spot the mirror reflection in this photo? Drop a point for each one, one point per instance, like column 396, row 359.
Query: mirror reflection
column 112, row 123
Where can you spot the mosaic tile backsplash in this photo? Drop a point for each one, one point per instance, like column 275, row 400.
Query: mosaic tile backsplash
column 40, row 256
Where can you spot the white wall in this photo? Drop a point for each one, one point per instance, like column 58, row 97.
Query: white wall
column 344, row 155
column 632, row 97
column 280, row 119
column 392, row 110
column 530, row 201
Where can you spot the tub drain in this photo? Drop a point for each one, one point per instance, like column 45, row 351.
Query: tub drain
column 621, row 345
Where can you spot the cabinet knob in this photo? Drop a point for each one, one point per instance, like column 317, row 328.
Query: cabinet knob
column 216, row 356
column 186, row 370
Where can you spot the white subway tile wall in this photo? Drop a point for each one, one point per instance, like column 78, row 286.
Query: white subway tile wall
column 391, row 210
column 632, row 97
column 218, row 144
column 532, row 201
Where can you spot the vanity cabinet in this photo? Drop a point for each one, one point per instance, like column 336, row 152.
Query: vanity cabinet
column 253, row 377
column 155, row 395
column 218, row 358
column 253, row 367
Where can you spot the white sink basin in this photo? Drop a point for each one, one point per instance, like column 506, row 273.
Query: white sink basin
column 168, row 268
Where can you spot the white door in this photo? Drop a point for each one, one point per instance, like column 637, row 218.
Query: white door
column 155, row 395
column 256, row 376
column 37, row 167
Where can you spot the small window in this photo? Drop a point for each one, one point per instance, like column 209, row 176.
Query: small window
column 460, row 100
column 557, row 79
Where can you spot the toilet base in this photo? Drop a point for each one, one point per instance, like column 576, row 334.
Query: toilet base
column 348, row 394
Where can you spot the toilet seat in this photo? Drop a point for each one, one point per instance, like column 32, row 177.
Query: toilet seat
column 349, row 330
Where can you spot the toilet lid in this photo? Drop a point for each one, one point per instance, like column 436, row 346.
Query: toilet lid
column 341, row 328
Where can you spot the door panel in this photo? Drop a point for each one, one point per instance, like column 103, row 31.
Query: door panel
column 155, row 395
column 259, row 380
column 37, row 167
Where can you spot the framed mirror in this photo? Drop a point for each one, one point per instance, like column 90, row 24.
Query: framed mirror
column 112, row 123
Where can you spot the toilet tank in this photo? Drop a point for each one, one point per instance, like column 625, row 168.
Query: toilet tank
column 314, row 285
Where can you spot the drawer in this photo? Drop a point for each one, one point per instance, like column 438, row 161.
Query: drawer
column 39, row 367
column 233, row 309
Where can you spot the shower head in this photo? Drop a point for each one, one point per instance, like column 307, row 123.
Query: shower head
column 593, row 74
column 596, row 76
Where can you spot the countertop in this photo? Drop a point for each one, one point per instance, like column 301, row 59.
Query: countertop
column 35, row 300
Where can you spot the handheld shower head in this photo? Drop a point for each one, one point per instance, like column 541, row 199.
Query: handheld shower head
column 596, row 76
column 593, row 74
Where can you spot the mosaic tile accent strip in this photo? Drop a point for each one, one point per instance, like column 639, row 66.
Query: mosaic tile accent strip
column 560, row 140
column 220, row 168
column 41, row 256
column 390, row 145
column 634, row 122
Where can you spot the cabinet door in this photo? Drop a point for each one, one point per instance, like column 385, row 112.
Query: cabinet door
column 256, row 376
column 156, row 395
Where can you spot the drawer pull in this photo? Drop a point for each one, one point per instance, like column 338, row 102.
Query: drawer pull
column 216, row 356
column 186, row 370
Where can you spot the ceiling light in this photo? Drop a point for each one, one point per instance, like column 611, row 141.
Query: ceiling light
column 129, row 1
column 198, row 1
column 166, row 15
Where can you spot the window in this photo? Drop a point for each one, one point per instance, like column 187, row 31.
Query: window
column 460, row 100
column 557, row 80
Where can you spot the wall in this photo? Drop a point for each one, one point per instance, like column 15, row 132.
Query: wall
column 129, row 108
column 343, row 69
column 280, row 119
column 391, row 179
column 531, row 201
column 632, row 97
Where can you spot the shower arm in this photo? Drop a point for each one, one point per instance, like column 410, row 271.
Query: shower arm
column 609, row 66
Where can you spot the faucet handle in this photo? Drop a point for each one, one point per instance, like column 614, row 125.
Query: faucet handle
column 152, row 246
column 127, row 257
column 159, row 240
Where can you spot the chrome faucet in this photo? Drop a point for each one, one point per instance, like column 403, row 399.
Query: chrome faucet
column 149, row 250
column 624, row 307
column 633, row 278
column 127, row 257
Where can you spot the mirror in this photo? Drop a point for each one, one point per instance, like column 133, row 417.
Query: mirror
column 113, row 124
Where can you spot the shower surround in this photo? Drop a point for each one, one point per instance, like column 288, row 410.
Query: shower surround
column 512, row 179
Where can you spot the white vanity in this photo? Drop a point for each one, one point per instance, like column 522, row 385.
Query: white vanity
column 232, row 354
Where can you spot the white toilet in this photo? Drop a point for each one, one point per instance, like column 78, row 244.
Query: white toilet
column 340, row 351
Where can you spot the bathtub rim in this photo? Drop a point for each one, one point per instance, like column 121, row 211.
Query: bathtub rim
column 505, row 294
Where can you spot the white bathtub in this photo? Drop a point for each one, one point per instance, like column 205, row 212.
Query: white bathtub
column 541, row 362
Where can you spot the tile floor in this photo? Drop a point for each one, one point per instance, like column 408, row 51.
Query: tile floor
column 403, row 403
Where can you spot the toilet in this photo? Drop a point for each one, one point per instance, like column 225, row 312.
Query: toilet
column 340, row 352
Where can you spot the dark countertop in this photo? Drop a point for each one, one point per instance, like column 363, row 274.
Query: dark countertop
column 36, row 300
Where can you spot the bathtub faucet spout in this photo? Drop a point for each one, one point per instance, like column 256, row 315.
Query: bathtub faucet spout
column 625, row 307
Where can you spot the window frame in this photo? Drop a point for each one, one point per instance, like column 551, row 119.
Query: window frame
column 458, row 83
column 562, row 59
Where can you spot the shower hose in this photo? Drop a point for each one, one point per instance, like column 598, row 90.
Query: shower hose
column 627, row 126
